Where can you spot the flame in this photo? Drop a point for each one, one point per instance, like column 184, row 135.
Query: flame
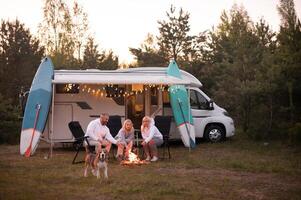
column 133, row 159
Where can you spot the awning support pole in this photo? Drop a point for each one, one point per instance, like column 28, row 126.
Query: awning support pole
column 52, row 117
column 189, row 109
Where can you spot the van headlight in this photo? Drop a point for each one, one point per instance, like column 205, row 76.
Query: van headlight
column 226, row 113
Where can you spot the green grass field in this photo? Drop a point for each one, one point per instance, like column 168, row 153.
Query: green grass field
column 235, row 169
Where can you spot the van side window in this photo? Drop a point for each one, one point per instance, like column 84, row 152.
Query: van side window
column 202, row 101
column 193, row 100
column 197, row 101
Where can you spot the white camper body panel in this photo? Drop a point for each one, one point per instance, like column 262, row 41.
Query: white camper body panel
column 68, row 107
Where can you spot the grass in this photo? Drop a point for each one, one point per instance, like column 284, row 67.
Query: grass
column 235, row 169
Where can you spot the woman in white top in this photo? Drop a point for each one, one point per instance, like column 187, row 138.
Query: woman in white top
column 151, row 139
column 126, row 137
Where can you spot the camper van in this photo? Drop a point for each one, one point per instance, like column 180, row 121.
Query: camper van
column 82, row 95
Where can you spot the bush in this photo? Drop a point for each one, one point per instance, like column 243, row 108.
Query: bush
column 9, row 122
column 10, row 132
column 294, row 134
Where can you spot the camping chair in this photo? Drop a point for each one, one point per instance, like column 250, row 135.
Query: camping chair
column 163, row 124
column 79, row 136
column 114, row 125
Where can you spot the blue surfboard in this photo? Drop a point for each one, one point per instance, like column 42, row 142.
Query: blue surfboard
column 37, row 108
column 181, row 108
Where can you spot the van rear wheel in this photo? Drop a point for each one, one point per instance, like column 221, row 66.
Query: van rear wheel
column 214, row 133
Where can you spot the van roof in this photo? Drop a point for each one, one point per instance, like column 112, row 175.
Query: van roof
column 139, row 75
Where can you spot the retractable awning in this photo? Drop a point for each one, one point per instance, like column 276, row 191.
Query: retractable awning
column 98, row 77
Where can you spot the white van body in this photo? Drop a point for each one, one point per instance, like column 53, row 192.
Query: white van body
column 84, row 105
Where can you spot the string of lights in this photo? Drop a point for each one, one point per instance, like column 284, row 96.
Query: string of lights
column 113, row 91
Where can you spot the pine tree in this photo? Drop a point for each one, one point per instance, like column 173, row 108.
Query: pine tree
column 91, row 55
column 96, row 60
column 148, row 54
column 235, row 55
column 289, row 53
column 174, row 40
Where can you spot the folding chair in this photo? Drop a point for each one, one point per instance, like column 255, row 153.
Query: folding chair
column 114, row 125
column 79, row 136
column 137, row 147
column 163, row 124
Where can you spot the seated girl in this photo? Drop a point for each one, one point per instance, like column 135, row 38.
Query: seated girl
column 126, row 137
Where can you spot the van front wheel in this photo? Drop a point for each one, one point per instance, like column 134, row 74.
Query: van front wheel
column 214, row 133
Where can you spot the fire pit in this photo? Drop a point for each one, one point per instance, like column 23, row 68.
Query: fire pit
column 133, row 160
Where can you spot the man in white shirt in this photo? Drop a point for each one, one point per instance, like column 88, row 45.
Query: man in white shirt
column 99, row 134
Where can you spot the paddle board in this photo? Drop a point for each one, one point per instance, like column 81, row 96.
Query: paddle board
column 37, row 107
column 181, row 108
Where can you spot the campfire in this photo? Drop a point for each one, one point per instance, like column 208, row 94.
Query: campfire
column 133, row 160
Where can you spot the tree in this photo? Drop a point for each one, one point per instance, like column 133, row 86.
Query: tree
column 148, row 54
column 174, row 40
column 108, row 61
column 63, row 32
column 80, row 28
column 268, row 77
column 234, row 55
column 289, row 52
column 91, row 54
column 20, row 56
column 55, row 28
column 94, row 59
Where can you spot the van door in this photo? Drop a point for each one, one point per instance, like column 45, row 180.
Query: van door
column 135, row 107
column 199, row 110
column 63, row 115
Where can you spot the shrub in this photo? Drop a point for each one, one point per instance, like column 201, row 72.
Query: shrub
column 9, row 122
column 294, row 134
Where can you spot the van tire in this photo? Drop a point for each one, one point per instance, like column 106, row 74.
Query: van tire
column 214, row 133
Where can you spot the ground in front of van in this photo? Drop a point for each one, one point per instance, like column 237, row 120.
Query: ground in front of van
column 234, row 169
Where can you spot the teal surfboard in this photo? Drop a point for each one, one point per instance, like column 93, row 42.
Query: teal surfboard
column 181, row 108
column 37, row 108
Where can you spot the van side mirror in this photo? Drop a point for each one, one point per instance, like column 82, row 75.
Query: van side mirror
column 210, row 105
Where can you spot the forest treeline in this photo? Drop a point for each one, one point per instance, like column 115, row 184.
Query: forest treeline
column 248, row 68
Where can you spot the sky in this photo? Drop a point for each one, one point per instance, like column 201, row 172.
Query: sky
column 120, row 24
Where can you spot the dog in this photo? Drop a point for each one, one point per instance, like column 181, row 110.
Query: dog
column 96, row 162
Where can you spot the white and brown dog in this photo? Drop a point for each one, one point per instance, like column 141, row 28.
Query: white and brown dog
column 96, row 162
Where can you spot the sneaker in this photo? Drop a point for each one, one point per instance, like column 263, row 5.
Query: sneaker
column 93, row 172
column 148, row 158
column 154, row 159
